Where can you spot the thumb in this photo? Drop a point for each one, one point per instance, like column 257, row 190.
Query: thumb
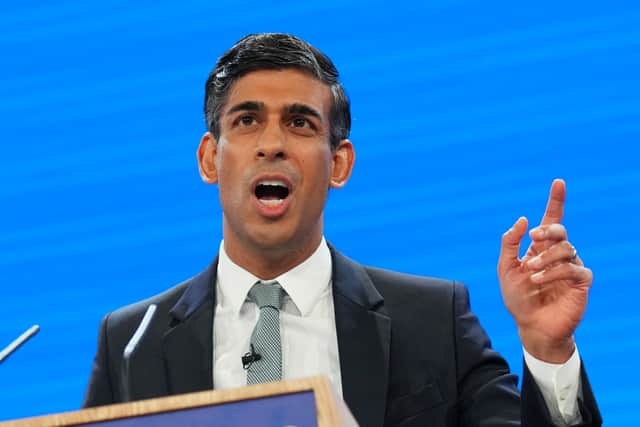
column 510, row 248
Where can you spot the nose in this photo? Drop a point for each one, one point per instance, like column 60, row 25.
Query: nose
column 272, row 143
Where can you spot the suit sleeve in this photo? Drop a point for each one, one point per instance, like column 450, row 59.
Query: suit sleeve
column 534, row 409
column 99, row 391
column 487, row 390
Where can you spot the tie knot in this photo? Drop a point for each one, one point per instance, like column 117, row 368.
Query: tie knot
column 267, row 294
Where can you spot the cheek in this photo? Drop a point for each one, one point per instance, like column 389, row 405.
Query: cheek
column 229, row 178
column 320, row 177
column 318, row 162
column 229, row 166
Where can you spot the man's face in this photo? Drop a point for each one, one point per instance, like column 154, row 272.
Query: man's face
column 273, row 162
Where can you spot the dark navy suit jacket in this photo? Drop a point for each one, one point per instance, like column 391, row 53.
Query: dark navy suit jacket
column 411, row 352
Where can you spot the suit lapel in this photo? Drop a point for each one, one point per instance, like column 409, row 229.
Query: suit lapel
column 364, row 331
column 362, row 325
column 187, row 345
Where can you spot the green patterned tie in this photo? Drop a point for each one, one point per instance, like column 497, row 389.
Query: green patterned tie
column 265, row 338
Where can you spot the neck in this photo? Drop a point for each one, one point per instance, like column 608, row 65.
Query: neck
column 270, row 262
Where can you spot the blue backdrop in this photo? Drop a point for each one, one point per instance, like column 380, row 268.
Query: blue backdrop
column 463, row 112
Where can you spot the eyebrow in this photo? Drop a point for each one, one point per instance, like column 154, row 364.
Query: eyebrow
column 301, row 109
column 246, row 106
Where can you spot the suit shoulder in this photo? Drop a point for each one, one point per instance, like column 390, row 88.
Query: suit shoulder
column 133, row 313
column 388, row 280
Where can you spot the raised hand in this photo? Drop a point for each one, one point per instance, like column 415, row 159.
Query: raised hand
column 547, row 290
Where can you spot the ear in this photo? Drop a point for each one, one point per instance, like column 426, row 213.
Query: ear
column 344, row 157
column 206, row 154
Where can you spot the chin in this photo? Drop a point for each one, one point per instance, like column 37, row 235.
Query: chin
column 271, row 240
column 272, row 237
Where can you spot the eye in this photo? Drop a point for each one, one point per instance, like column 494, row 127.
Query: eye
column 300, row 122
column 246, row 120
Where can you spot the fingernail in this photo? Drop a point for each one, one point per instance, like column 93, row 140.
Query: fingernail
column 537, row 233
column 534, row 262
column 536, row 277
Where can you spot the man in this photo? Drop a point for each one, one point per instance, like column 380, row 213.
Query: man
column 400, row 349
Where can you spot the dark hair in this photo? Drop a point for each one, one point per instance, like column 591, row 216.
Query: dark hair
column 275, row 51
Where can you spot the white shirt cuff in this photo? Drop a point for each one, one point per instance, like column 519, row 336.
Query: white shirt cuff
column 560, row 385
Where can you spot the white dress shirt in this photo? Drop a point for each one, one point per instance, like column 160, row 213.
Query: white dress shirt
column 307, row 321
column 560, row 386
column 309, row 338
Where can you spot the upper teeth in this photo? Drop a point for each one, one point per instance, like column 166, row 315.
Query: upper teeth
column 269, row 182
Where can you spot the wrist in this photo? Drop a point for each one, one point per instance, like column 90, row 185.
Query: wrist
column 546, row 349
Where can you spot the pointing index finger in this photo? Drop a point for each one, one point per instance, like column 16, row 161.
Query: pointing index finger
column 555, row 205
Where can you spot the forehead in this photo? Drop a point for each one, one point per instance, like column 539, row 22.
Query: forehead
column 277, row 89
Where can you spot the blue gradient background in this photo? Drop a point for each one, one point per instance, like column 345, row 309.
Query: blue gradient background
column 463, row 113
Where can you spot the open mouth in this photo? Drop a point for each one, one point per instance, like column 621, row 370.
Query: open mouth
column 271, row 192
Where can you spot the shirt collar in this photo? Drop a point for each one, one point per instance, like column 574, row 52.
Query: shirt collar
column 304, row 283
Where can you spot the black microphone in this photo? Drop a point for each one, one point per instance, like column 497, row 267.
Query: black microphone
column 129, row 350
column 250, row 357
column 11, row 348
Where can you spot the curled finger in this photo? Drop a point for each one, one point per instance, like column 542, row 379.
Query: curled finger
column 576, row 275
column 554, row 232
column 558, row 252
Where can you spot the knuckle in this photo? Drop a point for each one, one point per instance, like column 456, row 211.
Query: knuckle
column 568, row 269
column 563, row 270
column 588, row 273
column 576, row 272
column 558, row 230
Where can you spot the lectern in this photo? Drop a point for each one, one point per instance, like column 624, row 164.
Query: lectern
column 304, row 402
